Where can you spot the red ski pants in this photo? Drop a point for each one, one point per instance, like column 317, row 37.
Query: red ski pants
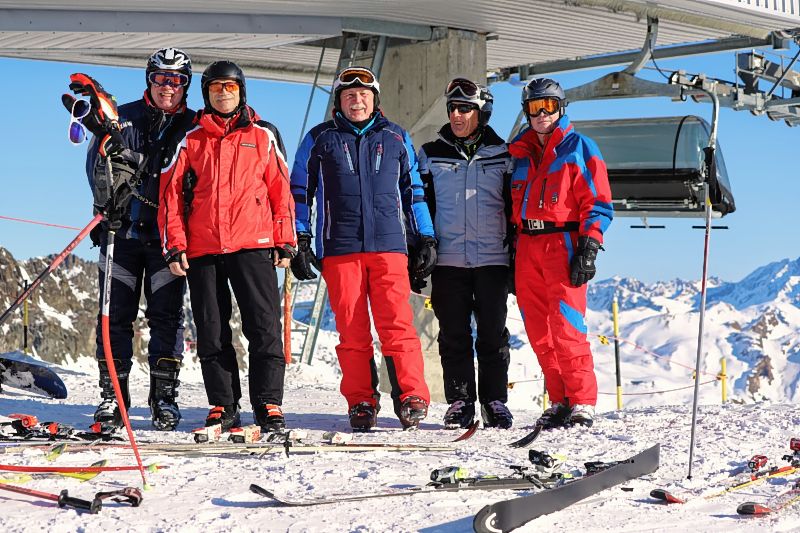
column 553, row 311
column 356, row 283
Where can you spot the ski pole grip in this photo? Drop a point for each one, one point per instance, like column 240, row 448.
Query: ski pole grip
column 65, row 500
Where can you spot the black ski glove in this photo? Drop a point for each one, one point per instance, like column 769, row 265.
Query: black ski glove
column 582, row 268
column 417, row 284
column 425, row 258
column 305, row 259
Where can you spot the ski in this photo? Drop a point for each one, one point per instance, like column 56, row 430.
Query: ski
column 529, row 438
column 23, row 427
column 510, row 514
column 780, row 502
column 22, row 371
column 521, row 481
column 471, row 429
column 758, row 473
column 80, row 476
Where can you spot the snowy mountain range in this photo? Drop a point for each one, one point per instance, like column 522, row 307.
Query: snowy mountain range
column 753, row 324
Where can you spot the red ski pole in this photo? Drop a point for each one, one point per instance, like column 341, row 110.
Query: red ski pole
column 63, row 499
column 106, row 332
column 52, row 266
column 70, row 469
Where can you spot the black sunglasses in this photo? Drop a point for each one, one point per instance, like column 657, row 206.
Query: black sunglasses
column 462, row 108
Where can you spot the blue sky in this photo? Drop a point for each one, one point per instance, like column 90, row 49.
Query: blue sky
column 42, row 175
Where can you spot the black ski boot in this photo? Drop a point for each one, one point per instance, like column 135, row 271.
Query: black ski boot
column 460, row 414
column 227, row 416
column 496, row 415
column 107, row 412
column 363, row 416
column 412, row 411
column 163, row 392
column 270, row 417
column 555, row 416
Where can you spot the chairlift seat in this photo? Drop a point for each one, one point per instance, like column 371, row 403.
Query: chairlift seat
column 656, row 166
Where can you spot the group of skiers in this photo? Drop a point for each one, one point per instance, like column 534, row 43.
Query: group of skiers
column 210, row 199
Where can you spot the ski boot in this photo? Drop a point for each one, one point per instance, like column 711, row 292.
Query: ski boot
column 582, row 415
column 225, row 415
column 555, row 416
column 163, row 392
column 270, row 417
column 412, row 411
column 363, row 416
column 107, row 413
column 496, row 415
column 460, row 414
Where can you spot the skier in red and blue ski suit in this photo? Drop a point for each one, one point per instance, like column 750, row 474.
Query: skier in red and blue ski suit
column 561, row 207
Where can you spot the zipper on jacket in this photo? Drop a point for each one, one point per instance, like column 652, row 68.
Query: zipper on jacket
column 541, row 195
column 349, row 159
column 378, row 158
column 328, row 217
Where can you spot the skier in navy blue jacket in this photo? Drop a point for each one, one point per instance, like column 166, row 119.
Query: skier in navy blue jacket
column 361, row 171
column 150, row 129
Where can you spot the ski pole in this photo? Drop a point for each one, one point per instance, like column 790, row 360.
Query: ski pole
column 63, row 499
column 105, row 327
column 72, row 469
column 52, row 266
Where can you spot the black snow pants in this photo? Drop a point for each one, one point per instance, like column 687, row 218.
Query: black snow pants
column 456, row 294
column 254, row 282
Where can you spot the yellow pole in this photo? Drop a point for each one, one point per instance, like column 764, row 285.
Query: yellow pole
column 615, row 314
column 723, row 375
column 544, row 395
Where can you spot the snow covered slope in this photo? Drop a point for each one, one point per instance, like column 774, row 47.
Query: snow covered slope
column 211, row 493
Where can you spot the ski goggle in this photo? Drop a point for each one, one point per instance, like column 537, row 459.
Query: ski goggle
column 77, row 131
column 356, row 76
column 549, row 105
column 462, row 108
column 467, row 88
column 216, row 87
column 168, row 79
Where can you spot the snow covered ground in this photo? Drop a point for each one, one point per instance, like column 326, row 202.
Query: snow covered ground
column 211, row 493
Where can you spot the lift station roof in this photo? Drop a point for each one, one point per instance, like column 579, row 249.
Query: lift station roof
column 282, row 40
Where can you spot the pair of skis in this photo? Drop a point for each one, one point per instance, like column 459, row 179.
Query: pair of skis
column 758, row 474
column 557, row 491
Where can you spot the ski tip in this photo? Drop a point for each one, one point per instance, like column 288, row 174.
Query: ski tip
column 146, row 486
column 261, row 491
column 485, row 521
column 665, row 496
column 753, row 509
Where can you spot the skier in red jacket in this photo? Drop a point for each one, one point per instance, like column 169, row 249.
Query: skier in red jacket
column 226, row 215
column 561, row 207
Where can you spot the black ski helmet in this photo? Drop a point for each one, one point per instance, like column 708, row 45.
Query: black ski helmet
column 223, row 70
column 543, row 88
column 170, row 59
column 469, row 92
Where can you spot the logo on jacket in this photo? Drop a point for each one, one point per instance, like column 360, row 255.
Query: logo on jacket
column 249, row 145
column 554, row 198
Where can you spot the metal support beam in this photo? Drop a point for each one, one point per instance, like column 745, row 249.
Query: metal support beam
column 584, row 63
column 647, row 48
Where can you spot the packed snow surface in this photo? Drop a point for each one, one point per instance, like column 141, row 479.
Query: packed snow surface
column 210, row 493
